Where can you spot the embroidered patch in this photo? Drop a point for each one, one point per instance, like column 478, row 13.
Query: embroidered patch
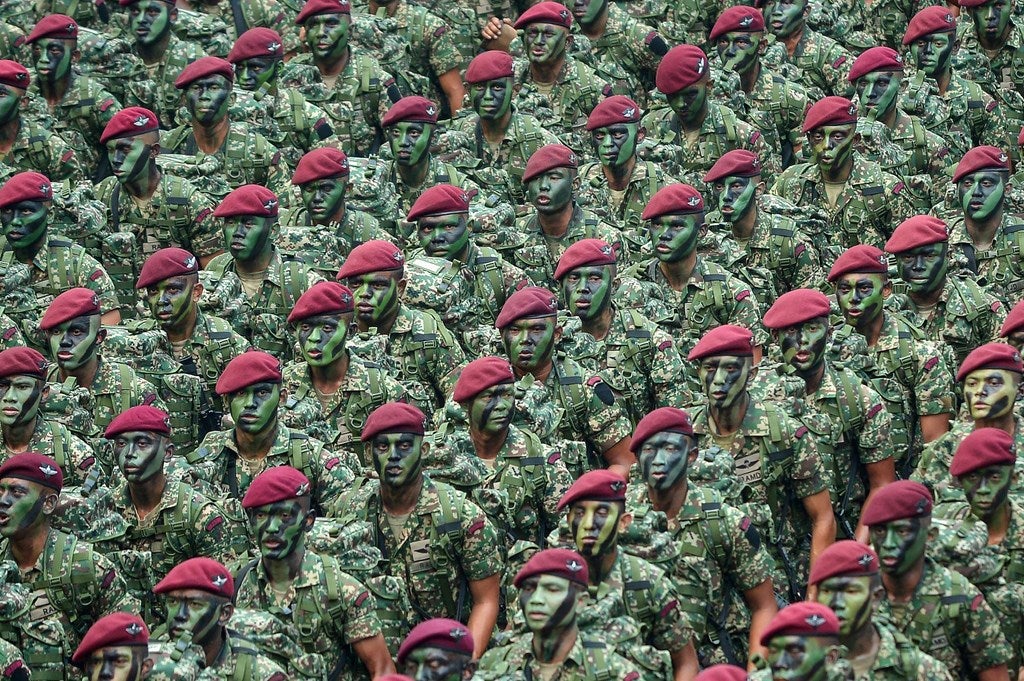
column 87, row 464
column 930, row 364
column 13, row 667
column 665, row 345
column 331, row 463
column 214, row 523
column 9, row 333
column 476, row 527
column 991, row 105
column 756, row 135
column 68, row 155
column 96, row 275
column 742, row 295
column 672, row 605
column 362, row 598
column 995, row 305
column 108, row 579
column 554, row 458
column 106, row 105
column 898, row 188
column 800, row 432
column 874, row 410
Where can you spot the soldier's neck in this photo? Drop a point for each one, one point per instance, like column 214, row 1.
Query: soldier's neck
column 329, row 69
column 487, row 445
column 26, row 550
column 28, row 254
column 618, row 177
column 871, row 328
column 894, row 118
column 495, row 129
column 53, row 91
column 983, row 232
column 695, row 122
column 210, row 138
column 1006, row 423
column 145, row 187
column 743, row 227
column 792, row 40
column 729, row 419
column 213, row 648
column 146, row 495
column 414, row 176
column 927, row 298
column 390, row 7
column 153, row 52
column 863, row 641
column 900, row 588
column 837, row 175
column 998, row 524
column 18, row 436
column 595, row 29
column 337, row 220
column 258, row 264
column 540, row 374
column 184, row 330
column 85, row 374
column 547, row 72
column 669, row 501
column 256, row 445
column 678, row 273
column 9, row 132
column 552, row 646
column 328, row 379
column 556, row 224
column 600, row 566
column 943, row 79
column 599, row 326
column 812, row 377
column 401, row 500
column 285, row 570
column 748, row 79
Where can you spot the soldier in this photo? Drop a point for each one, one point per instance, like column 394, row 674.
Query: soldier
column 115, row 647
column 778, row 464
column 443, row 544
column 860, row 200
column 1013, row 328
column 336, row 618
column 960, row 629
column 823, row 64
column 69, row 581
column 199, row 594
column 232, row 459
column 803, row 644
column 439, row 649
column 553, row 587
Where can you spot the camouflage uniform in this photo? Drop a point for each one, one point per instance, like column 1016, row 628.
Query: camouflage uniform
column 79, row 118
column 898, row 659
column 37, row 148
column 784, row 101
column 933, row 467
column 116, row 387
column 438, row 172
column 823, row 64
column 74, row 456
column 237, row 652
column 1001, row 75
column 588, row 660
column 324, row 248
column 622, row 55
column 998, row 268
column 299, row 126
column 178, row 54
column 563, row 111
column 965, row 116
column 889, row 19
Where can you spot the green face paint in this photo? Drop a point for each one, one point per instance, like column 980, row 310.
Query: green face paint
column 551, row 191
column 724, row 378
column 10, row 103
column 587, row 291
column 24, row 223
column 444, row 236
column 191, row 611
column 252, row 73
column 738, row 51
column 21, row 507
column 588, row 11
column 327, row 36
column 797, row 658
column 149, row 21
column 899, row 544
column 924, row 268
column 376, row 295
column 170, row 301
column 492, row 410
column 595, row 526
column 324, row 198
column 279, row 528
column 860, row 297
column 140, row 454
column 52, row 57
column 254, row 408
column 664, row 458
column 674, row 237
column 427, row 663
column 982, row 193
column 129, row 158
column 803, row 346
column 545, row 43
column 492, row 99
column 735, row 196
column 990, row 393
column 548, row 603
column 991, row 19
column 691, row 103
column 322, row 338
column 616, row 144
column 410, row 142
column 850, row 599
column 397, row 458
column 987, row 489
column 878, row 91
column 208, row 99
column 530, row 342
column 114, row 663
column 74, row 342
column 248, row 236
column 832, row 145
column 20, row 398
column 932, row 53
column 785, row 17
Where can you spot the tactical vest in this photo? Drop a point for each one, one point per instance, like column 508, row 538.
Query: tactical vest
column 858, row 211
column 414, row 353
column 632, row 361
column 65, row 580
column 596, row 667
column 63, row 262
column 44, row 646
column 568, row 382
column 489, row 281
column 244, row 163
column 353, row 413
column 1007, row 280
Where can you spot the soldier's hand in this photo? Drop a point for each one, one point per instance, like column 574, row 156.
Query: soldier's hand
column 498, row 34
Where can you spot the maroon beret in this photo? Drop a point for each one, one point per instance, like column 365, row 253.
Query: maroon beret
column 203, row 67
column 531, row 301
column 166, row 263
column 802, row 619
column 722, row 672
column 489, row 65
column 320, row 164
column 117, row 629
column 613, row 110
column 34, row 467
column 313, row 8
column 585, row 252
column 129, row 122
column 545, row 13
column 75, row 302
column 54, row 26
column 881, row 58
column 896, row 501
column 394, row 417
column 830, row 111
column 393, row 677
column 28, row 186
column 412, row 109
column 249, row 368
column 737, row 19
column 681, row 67
column 249, row 199
column 862, row 258
column 372, row 256
column 439, row 632
column 558, row 562
column 547, row 157
column 661, row 420
column 735, row 163
column 847, row 558
column 981, row 158
column 143, row 418
column 1020, row 137
column 22, row 361
column 987, row 356
column 14, row 74
column 920, row 230
column 982, row 448
column 204, row 574
column 934, row 19
column 256, row 42
column 481, row 374
column 279, row 483
column 597, row 485
column 1014, row 320
column 441, row 199
column 727, row 339
column 674, row 199
column 972, row 3
column 796, row 307
column 323, row 297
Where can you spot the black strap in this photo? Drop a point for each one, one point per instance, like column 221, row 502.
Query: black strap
column 236, row 13
column 242, row 574
column 115, row 207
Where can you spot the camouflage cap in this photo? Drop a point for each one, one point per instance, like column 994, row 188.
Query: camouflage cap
column 802, row 619
column 54, row 26
column 118, row 629
column 558, row 562
column 34, row 467
column 983, row 447
column 896, row 501
column 75, row 302
column 27, row 186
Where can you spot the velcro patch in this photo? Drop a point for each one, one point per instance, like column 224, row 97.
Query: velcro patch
column 839, row 62
column 68, row 155
column 665, row 345
column 203, row 213
column 930, row 364
column 9, row 333
column 214, row 523
column 148, row 399
column 476, row 526
column 874, row 410
column 331, row 463
column 898, row 188
column 13, row 667
column 95, row 275
column 800, row 432
column 798, row 249
column 87, row 464
column 743, row 294
column 106, row 105
column 108, row 579
column 672, row 605
column 361, row 598
column 991, row 105
column 323, row 129
column 976, row 603
column 555, row 457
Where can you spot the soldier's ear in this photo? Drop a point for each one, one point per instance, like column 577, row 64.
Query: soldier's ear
column 173, row 14
column 76, row 55
column 762, row 45
column 469, row 670
column 887, row 288
column 625, row 520
column 558, row 334
column 759, row 189
column 44, row 394
column 154, row 150
column 226, row 612
column 50, row 502
column 147, row 667
column 402, row 283
column 197, row 292
column 641, row 134
column 101, row 336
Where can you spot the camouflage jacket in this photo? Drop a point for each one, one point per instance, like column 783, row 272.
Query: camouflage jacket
column 235, row 652
column 588, row 660
column 965, row 115
column 325, row 249
column 40, row 149
column 72, row 454
column 999, row 268
column 928, row 153
column 1001, row 75
column 563, row 111
column 299, row 126
column 784, row 101
column 115, row 387
column 823, row 63
column 623, row 54
column 933, row 467
column 898, row 659
column 178, row 54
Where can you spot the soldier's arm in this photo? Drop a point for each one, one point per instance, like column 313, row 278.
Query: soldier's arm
column 978, row 636
column 94, row 277
column 218, row 533
column 873, row 448
column 481, row 562
column 749, row 566
column 358, row 625
column 608, row 427
column 933, row 390
column 110, row 592
column 811, row 484
column 205, row 238
column 63, row 162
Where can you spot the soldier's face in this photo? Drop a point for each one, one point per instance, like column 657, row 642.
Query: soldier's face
column 20, row 398
column 74, row 342
column 53, row 58
column 171, row 300
column 987, row 489
column 899, row 544
column 1016, row 339
column 530, row 342
column 860, row 297
column 545, row 42
column 990, row 393
column 24, row 223
column 616, row 144
column 724, row 378
column 248, row 236
column 832, row 145
column 279, row 528
column 492, row 410
column 444, row 236
column 551, row 191
column 195, row 612
column 140, row 454
column 803, row 345
column 738, row 51
column 257, row 71
column 595, row 526
column 324, row 198
column 322, row 338
column 492, row 99
column 691, row 103
column 664, row 458
column 548, row 602
column 255, row 407
column 850, row 598
column 797, row 658
column 149, row 21
column 587, row 291
column 21, row 506
column 981, row 193
column 129, row 156
column 208, row 99
column 434, row 664
column 587, row 11
column 736, row 196
column 10, row 103
column 410, row 141
column 674, row 237
column 397, row 458
column 327, row 35
column 878, row 91
column 376, row 295
column 116, row 663
column 924, row 268
column 992, row 18
column 932, row 53
column 785, row 17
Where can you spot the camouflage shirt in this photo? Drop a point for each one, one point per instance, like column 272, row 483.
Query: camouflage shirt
column 177, row 55
column 822, row 62
column 71, row 453
column 115, row 387
column 623, row 54
column 587, row 660
column 38, row 148
column 898, row 659
column 1000, row 267
column 965, row 115
column 933, row 467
